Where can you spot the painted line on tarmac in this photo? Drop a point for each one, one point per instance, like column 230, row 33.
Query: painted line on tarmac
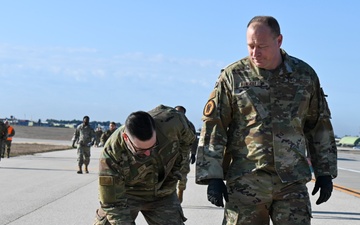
column 350, row 191
column 346, row 190
column 355, row 171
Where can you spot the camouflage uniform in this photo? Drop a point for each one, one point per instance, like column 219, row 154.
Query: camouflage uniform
column 129, row 184
column 98, row 134
column 105, row 136
column 259, row 128
column 83, row 136
column 3, row 135
column 183, row 181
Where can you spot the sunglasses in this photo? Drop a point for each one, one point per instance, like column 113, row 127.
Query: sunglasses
column 140, row 151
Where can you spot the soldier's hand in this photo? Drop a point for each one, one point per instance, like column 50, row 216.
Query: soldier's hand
column 73, row 144
column 90, row 144
column 193, row 158
column 216, row 191
column 324, row 183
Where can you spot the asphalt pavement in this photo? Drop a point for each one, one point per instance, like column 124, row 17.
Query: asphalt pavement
column 44, row 189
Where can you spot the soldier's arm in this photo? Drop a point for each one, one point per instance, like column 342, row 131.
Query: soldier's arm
column 320, row 135
column 217, row 115
column 12, row 133
column 112, row 192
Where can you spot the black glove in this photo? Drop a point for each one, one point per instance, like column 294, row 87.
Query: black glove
column 73, row 144
column 192, row 158
column 215, row 192
column 324, row 183
column 91, row 143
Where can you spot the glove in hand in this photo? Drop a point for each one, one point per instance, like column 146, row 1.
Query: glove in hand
column 90, row 144
column 192, row 160
column 324, row 183
column 216, row 191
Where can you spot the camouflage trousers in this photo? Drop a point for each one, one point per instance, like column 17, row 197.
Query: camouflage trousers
column 6, row 148
column 83, row 153
column 256, row 197
column 166, row 210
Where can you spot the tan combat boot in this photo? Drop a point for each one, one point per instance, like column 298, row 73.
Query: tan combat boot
column 86, row 169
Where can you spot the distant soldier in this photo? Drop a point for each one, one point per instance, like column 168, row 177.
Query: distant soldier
column 182, row 183
column 107, row 134
column 140, row 166
column 3, row 135
column 98, row 133
column 84, row 136
column 7, row 144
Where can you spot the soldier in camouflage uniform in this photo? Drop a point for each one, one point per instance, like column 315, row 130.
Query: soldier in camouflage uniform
column 3, row 135
column 266, row 115
column 105, row 136
column 140, row 166
column 182, row 183
column 98, row 133
column 84, row 136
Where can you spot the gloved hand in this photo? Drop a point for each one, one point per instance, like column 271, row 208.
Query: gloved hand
column 73, row 144
column 324, row 183
column 91, row 143
column 216, row 191
column 192, row 158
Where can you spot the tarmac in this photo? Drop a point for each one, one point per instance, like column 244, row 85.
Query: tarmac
column 44, row 189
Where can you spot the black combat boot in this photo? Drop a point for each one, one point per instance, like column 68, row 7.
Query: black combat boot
column 80, row 170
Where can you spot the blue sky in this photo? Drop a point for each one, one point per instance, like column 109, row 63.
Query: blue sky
column 66, row 59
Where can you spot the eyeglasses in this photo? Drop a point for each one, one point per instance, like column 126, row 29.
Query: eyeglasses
column 140, row 151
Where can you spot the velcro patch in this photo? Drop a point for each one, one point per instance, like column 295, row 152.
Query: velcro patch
column 209, row 108
column 106, row 180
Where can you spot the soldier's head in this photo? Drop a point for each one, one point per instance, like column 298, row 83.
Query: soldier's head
column 180, row 109
column 112, row 126
column 140, row 134
column 86, row 120
column 264, row 41
column 6, row 123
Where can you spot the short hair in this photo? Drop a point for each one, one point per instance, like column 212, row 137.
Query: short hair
column 141, row 125
column 86, row 117
column 270, row 21
column 113, row 123
column 180, row 108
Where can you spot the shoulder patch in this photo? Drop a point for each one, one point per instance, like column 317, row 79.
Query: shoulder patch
column 106, row 180
column 209, row 108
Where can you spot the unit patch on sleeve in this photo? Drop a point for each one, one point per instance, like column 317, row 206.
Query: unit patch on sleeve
column 209, row 108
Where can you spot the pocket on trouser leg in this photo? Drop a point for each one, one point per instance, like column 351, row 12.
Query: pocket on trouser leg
column 291, row 211
column 100, row 218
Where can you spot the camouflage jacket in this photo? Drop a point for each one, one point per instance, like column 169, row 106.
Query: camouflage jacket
column 271, row 120
column 84, row 135
column 3, row 131
column 121, row 174
column 105, row 136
